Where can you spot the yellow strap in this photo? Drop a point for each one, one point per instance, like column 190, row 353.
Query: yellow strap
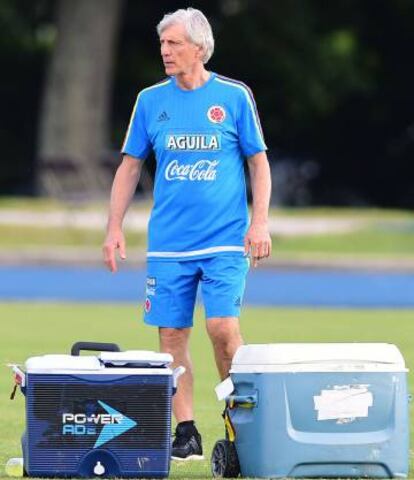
column 229, row 427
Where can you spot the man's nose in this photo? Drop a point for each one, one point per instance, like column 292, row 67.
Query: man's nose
column 165, row 50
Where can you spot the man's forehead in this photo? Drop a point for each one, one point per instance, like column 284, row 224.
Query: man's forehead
column 176, row 31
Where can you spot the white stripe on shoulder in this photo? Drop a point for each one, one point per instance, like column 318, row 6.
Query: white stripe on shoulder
column 249, row 101
column 157, row 85
column 193, row 253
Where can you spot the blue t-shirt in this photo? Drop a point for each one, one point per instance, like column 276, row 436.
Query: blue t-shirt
column 200, row 138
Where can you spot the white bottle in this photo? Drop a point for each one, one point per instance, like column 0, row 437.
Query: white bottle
column 14, row 467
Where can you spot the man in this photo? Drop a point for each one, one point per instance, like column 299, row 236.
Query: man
column 202, row 127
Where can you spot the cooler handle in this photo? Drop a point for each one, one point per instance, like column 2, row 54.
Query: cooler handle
column 19, row 375
column 177, row 372
column 19, row 380
column 94, row 347
column 244, row 401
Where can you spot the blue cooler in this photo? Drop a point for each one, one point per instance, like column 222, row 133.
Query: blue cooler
column 320, row 410
column 105, row 415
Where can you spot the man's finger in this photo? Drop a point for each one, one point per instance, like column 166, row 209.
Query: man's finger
column 122, row 249
column 246, row 245
column 256, row 250
column 260, row 250
column 109, row 257
column 112, row 261
column 253, row 254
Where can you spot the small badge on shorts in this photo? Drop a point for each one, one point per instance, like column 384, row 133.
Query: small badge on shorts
column 151, row 285
column 216, row 114
column 147, row 305
column 151, row 282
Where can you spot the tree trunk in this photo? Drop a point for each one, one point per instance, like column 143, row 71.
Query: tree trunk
column 74, row 133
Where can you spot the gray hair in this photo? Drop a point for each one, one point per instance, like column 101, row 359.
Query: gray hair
column 197, row 26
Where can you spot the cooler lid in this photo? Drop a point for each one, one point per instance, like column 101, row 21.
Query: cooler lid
column 136, row 357
column 318, row 357
column 62, row 362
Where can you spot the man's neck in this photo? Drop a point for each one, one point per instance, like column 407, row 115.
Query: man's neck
column 193, row 80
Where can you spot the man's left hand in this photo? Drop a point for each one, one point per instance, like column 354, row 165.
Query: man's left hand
column 257, row 242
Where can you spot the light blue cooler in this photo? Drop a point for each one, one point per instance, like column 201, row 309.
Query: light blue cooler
column 320, row 410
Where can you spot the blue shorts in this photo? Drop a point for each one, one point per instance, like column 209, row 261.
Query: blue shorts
column 172, row 288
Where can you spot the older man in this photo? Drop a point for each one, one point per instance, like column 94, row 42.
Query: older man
column 202, row 127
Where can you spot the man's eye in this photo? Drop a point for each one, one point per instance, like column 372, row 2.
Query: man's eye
column 170, row 42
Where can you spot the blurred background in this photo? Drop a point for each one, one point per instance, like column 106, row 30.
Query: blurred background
column 333, row 83
column 332, row 79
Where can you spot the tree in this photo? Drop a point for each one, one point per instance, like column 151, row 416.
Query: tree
column 74, row 131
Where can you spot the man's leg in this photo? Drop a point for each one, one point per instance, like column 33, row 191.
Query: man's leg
column 171, row 293
column 187, row 442
column 226, row 338
column 175, row 341
column 222, row 286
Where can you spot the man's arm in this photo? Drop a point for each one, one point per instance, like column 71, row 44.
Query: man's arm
column 257, row 240
column 123, row 189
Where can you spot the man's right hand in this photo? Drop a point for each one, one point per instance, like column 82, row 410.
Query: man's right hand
column 114, row 240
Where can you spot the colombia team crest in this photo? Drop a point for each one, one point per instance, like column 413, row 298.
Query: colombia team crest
column 216, row 114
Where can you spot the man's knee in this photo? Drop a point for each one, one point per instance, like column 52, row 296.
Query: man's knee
column 225, row 334
column 173, row 338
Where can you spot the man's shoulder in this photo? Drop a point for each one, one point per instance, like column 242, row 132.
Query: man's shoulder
column 237, row 87
column 155, row 89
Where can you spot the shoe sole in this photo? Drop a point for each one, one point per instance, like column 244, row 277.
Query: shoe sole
column 186, row 459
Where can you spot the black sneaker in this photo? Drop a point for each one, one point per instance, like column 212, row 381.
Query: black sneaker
column 187, row 444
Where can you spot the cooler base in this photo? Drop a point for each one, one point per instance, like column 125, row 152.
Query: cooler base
column 343, row 470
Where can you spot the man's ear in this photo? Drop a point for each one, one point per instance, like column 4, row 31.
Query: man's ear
column 200, row 52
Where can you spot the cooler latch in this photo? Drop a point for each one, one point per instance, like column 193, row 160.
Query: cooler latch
column 243, row 401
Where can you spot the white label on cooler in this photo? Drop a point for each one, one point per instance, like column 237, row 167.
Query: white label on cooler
column 224, row 389
column 343, row 402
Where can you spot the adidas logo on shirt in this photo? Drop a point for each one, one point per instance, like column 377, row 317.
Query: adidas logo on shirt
column 163, row 117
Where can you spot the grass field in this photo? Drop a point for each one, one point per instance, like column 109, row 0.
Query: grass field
column 378, row 234
column 29, row 329
column 368, row 242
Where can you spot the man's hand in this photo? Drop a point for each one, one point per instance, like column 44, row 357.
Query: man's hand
column 257, row 242
column 114, row 240
column 123, row 188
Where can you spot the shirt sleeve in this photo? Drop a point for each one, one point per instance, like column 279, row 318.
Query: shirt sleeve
column 137, row 143
column 249, row 128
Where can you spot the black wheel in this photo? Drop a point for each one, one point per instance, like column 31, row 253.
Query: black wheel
column 224, row 460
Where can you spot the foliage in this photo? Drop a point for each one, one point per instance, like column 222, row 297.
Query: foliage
column 26, row 38
column 333, row 82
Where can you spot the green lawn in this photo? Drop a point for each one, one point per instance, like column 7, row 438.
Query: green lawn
column 379, row 234
column 50, row 205
column 373, row 241
column 29, row 329
column 368, row 242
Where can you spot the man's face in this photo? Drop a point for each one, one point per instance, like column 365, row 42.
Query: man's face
column 179, row 55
